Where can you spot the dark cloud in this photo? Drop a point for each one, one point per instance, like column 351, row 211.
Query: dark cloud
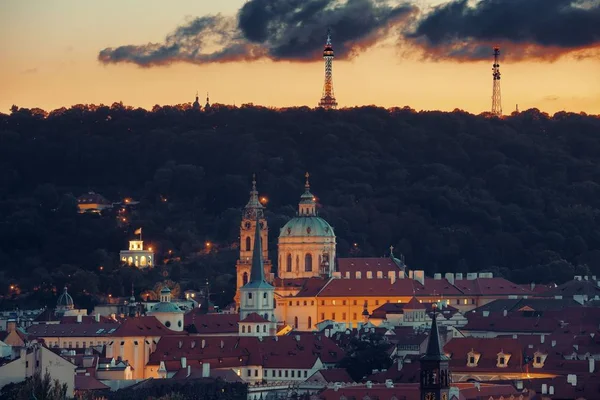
column 275, row 29
column 524, row 28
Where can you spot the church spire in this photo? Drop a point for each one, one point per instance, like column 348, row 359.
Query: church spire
column 434, row 346
column 257, row 271
column 254, row 209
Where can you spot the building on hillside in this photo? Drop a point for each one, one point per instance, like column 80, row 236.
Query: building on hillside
column 137, row 255
column 196, row 105
column 93, row 203
column 35, row 358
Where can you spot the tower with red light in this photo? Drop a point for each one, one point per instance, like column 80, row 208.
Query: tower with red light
column 328, row 101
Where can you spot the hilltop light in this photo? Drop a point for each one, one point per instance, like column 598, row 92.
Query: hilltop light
column 127, row 201
column 264, row 200
column 149, row 248
column 208, row 244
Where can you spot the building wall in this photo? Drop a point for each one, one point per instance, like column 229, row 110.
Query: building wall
column 39, row 359
column 137, row 258
column 135, row 350
column 298, row 248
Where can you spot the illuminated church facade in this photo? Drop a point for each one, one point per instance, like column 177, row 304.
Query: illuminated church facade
column 311, row 285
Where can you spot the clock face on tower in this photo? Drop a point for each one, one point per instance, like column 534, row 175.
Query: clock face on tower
column 262, row 225
column 247, row 225
column 430, row 396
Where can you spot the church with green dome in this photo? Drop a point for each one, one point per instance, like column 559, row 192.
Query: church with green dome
column 306, row 244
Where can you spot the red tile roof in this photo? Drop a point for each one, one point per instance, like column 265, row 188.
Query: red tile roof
column 436, row 287
column 83, row 382
column 402, row 391
column 414, row 304
column 368, row 287
column 231, row 351
column 307, row 287
column 142, row 326
column 336, row 375
column 490, row 286
column 574, row 288
column 86, row 319
column 488, row 348
column 497, row 322
column 72, row 330
column 363, row 265
column 409, row 373
column 211, row 323
column 587, row 386
column 254, row 317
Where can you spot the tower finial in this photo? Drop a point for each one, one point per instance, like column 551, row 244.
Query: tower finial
column 254, row 182
column 307, row 184
column 391, row 251
column 328, row 43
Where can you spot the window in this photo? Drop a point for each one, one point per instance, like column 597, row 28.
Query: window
column 296, row 322
column 288, row 263
column 248, row 243
column 286, row 373
column 249, row 328
column 293, row 374
column 333, row 316
column 26, row 364
column 354, row 316
column 76, row 345
column 304, row 302
column 471, row 360
column 297, row 303
column 264, row 328
column 290, row 303
column 249, row 372
column 322, row 316
column 256, row 372
column 305, row 374
column 279, row 373
column 457, row 301
column 343, row 316
column 249, row 296
column 472, row 301
column 502, row 361
column 466, row 301
column 243, row 328
column 354, row 302
column 312, row 302
column 333, row 302
column 307, row 262
column 343, row 302
column 309, row 323
column 376, row 302
column 538, row 360
column 273, row 373
column 322, row 302
column 264, row 295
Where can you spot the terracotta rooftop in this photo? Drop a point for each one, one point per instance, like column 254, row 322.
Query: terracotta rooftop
column 368, row 287
column 490, row 286
column 83, row 382
column 352, row 265
column 529, row 304
column 336, row 375
column 497, row 322
column 211, row 323
column 590, row 288
column 254, row 317
column 142, row 326
column 86, row 319
column 401, row 391
column 488, row 349
column 72, row 330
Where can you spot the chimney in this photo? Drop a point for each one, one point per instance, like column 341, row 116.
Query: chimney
column 505, row 312
column 459, row 276
column 392, row 277
column 389, row 383
column 369, row 274
column 189, row 370
column 592, row 364
column 97, row 317
column 544, row 388
column 450, row 277
column 369, row 384
column 572, row 379
column 585, row 277
column 486, row 313
column 542, row 338
column 183, row 362
column 437, row 277
column 205, row 370
column 554, row 343
column 11, row 325
column 297, row 338
column 193, row 344
column 203, row 343
column 472, row 276
column 358, row 275
column 400, row 364
column 551, row 390
column 79, row 318
column 411, row 274
column 532, row 286
column 327, row 332
column 519, row 385
column 419, row 276
column 477, row 385
column 337, row 386
column 222, row 344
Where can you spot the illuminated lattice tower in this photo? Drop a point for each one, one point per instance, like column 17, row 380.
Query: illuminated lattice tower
column 328, row 98
column 496, row 98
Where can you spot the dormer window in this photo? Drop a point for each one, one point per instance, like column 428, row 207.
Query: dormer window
column 472, row 358
column 502, row 361
column 539, row 359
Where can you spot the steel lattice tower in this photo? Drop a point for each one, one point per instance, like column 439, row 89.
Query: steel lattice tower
column 496, row 97
column 328, row 98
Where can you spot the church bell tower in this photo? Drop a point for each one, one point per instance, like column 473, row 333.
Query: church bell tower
column 435, row 372
column 252, row 214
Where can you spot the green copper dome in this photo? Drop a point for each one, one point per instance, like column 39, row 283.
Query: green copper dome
column 166, row 307
column 306, row 226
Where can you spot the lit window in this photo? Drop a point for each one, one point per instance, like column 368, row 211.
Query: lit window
column 333, row 302
column 466, row 301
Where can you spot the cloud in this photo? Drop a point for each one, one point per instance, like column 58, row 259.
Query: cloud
column 275, row 29
column 539, row 29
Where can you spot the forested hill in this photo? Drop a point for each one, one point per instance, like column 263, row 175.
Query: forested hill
column 518, row 196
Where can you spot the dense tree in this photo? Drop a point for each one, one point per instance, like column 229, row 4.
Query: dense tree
column 451, row 191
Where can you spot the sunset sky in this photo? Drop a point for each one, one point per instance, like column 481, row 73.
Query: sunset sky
column 60, row 53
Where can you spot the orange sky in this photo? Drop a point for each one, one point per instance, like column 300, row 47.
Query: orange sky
column 49, row 59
